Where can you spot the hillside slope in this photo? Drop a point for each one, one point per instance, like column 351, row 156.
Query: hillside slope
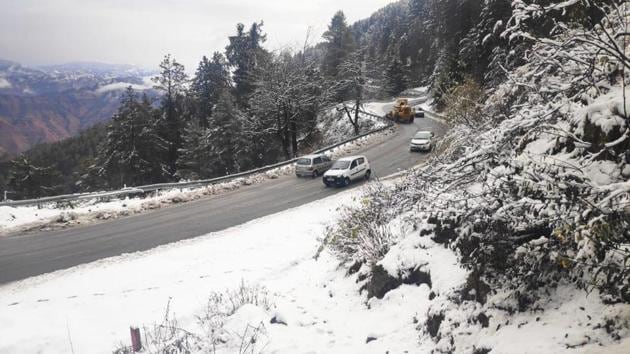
column 41, row 105
column 531, row 190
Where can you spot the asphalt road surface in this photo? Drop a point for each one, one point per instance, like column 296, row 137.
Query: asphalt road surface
column 23, row 256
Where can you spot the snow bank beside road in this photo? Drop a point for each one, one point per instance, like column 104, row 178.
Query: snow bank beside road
column 52, row 216
column 378, row 108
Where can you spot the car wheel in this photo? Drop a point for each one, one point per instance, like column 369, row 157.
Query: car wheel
column 315, row 173
column 346, row 182
column 368, row 174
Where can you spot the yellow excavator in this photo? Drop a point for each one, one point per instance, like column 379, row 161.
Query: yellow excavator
column 401, row 112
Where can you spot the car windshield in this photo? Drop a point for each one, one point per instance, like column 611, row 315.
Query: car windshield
column 304, row 161
column 340, row 165
column 422, row 135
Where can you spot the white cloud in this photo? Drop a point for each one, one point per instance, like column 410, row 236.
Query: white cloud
column 121, row 86
column 117, row 86
column 4, row 83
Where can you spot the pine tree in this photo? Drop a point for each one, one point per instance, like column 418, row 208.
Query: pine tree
column 228, row 149
column 417, row 8
column 194, row 155
column 27, row 180
column 210, row 79
column 482, row 49
column 171, row 82
column 339, row 44
column 445, row 74
column 132, row 154
column 245, row 54
column 396, row 77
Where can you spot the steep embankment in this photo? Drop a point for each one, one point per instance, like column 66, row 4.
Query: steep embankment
column 530, row 189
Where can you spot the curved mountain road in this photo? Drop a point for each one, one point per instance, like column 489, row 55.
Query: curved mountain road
column 32, row 254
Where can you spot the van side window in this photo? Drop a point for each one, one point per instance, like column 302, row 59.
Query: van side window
column 361, row 161
column 354, row 164
column 325, row 158
column 317, row 161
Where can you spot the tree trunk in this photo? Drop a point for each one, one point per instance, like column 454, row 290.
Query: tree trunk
column 354, row 122
column 356, row 117
column 294, row 143
column 286, row 137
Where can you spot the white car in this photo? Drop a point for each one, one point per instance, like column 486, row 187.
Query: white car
column 346, row 170
column 421, row 141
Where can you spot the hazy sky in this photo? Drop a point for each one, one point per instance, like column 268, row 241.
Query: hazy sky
column 140, row 32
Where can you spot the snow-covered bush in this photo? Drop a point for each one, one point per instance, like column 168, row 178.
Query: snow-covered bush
column 536, row 194
column 362, row 234
column 225, row 304
column 463, row 104
column 168, row 337
column 222, row 305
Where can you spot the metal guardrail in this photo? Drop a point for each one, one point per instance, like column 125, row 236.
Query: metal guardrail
column 173, row 185
column 69, row 197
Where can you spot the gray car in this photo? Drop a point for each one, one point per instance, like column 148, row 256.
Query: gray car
column 312, row 165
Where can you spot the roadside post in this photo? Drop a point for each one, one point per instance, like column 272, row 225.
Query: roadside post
column 136, row 341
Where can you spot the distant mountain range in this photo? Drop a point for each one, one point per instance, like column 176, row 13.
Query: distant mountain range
column 50, row 103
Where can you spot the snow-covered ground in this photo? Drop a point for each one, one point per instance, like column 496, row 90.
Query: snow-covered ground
column 335, row 126
column 378, row 108
column 426, row 105
column 416, row 91
column 89, row 308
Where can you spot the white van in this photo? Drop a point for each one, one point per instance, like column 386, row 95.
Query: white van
column 347, row 169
